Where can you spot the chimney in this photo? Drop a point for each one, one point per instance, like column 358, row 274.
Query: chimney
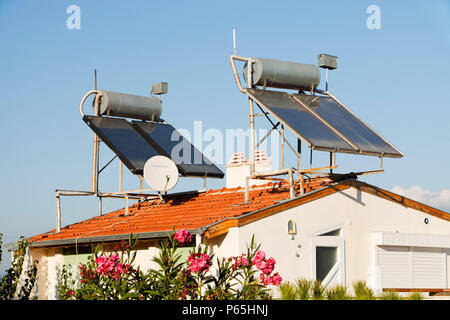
column 239, row 167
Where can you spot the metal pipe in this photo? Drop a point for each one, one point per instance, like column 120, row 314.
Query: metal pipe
column 299, row 164
column 70, row 193
column 234, row 41
column 268, row 173
column 98, row 93
column 134, row 197
column 246, row 189
column 252, row 130
column 120, row 176
column 267, row 134
column 235, row 73
column 291, row 184
column 106, row 165
column 142, row 182
column 125, row 192
column 126, row 204
column 252, row 136
column 100, row 208
column 58, row 212
column 95, row 162
column 282, row 146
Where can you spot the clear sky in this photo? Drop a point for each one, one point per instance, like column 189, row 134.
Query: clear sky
column 395, row 78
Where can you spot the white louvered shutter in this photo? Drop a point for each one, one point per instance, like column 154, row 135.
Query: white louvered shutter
column 394, row 266
column 429, row 268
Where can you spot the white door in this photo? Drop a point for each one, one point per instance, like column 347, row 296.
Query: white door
column 328, row 260
column 411, row 267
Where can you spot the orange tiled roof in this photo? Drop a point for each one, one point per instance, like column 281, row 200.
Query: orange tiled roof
column 186, row 210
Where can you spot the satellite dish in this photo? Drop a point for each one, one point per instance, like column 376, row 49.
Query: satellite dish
column 160, row 173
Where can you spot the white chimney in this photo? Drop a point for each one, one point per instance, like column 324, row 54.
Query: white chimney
column 238, row 168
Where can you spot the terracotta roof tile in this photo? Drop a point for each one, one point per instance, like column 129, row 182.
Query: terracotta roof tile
column 191, row 210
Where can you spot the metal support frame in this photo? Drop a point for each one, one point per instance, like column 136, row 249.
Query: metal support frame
column 299, row 171
column 126, row 195
column 263, row 174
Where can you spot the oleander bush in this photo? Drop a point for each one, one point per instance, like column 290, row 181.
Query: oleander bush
column 18, row 282
column 112, row 276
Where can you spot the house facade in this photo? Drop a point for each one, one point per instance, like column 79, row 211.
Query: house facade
column 335, row 231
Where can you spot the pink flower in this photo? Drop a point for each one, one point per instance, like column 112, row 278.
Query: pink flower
column 263, row 264
column 273, row 280
column 70, row 293
column 267, row 266
column 260, row 255
column 199, row 262
column 111, row 266
column 240, row 261
column 183, row 236
column 266, row 280
column 276, row 279
column 100, row 260
column 114, row 258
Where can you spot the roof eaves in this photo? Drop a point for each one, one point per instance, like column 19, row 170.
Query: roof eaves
column 280, row 206
column 107, row 238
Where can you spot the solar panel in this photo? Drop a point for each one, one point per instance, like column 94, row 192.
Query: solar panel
column 367, row 140
column 120, row 136
column 136, row 142
column 324, row 123
column 300, row 120
column 169, row 142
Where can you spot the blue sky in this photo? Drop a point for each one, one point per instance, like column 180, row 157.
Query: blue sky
column 394, row 78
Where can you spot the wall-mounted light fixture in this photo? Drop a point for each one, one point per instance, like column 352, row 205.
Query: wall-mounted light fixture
column 292, row 227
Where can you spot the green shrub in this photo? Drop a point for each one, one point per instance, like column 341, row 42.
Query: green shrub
column 338, row 292
column 9, row 288
column 390, row 295
column 416, row 295
column 362, row 292
column 318, row 290
column 287, row 291
column 303, row 289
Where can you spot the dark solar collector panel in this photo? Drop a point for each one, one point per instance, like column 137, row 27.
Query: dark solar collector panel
column 120, row 136
column 135, row 143
column 169, row 142
column 324, row 123
column 300, row 120
column 367, row 140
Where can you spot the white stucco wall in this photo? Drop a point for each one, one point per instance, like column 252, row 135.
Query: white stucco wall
column 359, row 213
column 361, row 216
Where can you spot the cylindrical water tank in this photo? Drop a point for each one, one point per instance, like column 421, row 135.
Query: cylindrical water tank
column 129, row 106
column 283, row 74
